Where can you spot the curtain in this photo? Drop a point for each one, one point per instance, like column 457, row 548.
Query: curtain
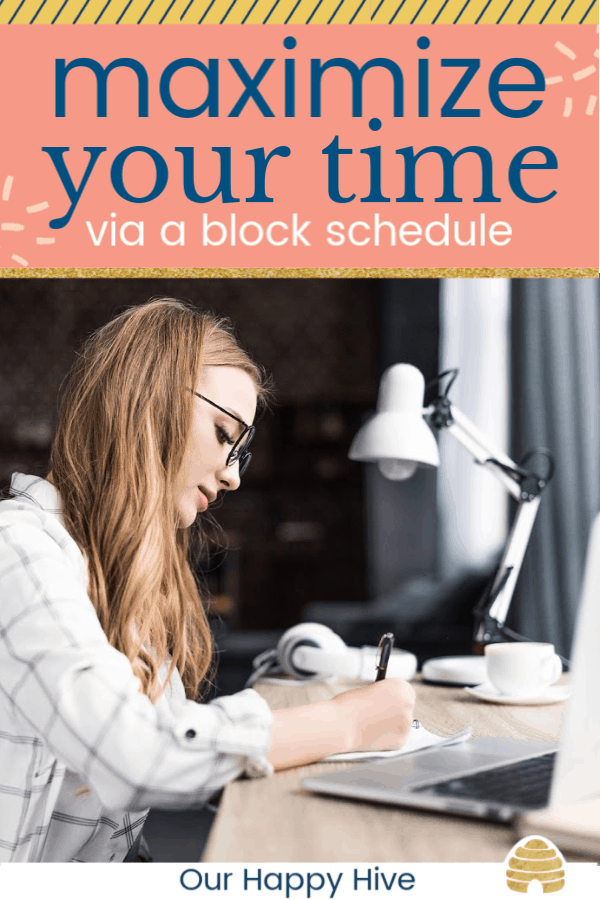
column 555, row 326
column 472, row 505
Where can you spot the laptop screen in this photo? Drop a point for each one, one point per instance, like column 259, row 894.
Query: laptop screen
column 577, row 773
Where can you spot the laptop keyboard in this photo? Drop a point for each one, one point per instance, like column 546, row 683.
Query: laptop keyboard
column 523, row 784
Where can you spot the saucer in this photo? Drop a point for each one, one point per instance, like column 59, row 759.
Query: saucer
column 553, row 694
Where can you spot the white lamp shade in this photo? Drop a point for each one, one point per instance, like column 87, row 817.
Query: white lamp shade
column 397, row 437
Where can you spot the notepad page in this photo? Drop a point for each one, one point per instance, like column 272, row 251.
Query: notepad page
column 418, row 739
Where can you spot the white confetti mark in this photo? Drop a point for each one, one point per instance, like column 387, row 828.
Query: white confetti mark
column 19, row 259
column 589, row 110
column 567, row 52
column 597, row 53
column 584, row 73
column 8, row 183
column 568, row 107
column 45, row 240
column 555, row 79
column 38, row 207
column 11, row 226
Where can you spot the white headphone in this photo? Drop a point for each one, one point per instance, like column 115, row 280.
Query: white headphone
column 311, row 649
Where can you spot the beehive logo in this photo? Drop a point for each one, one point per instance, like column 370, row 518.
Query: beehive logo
column 535, row 859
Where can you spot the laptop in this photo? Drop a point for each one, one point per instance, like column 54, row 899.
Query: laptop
column 500, row 778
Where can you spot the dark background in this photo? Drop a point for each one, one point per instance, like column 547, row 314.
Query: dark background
column 296, row 527
column 311, row 534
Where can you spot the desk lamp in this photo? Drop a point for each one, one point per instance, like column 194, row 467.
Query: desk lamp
column 399, row 440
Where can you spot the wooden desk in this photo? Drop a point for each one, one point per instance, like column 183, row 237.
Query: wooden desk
column 274, row 820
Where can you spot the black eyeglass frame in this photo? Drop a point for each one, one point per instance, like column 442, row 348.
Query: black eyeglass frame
column 237, row 453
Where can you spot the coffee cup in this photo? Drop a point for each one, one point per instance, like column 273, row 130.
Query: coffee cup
column 523, row 669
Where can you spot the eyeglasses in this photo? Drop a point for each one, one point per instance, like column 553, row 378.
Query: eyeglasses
column 239, row 452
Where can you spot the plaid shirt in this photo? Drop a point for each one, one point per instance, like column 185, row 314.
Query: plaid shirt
column 82, row 752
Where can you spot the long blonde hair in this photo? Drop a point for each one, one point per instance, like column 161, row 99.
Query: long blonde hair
column 124, row 418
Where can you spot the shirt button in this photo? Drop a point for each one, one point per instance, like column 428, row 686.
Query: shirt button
column 190, row 733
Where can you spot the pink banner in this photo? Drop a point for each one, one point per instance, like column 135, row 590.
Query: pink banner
column 353, row 146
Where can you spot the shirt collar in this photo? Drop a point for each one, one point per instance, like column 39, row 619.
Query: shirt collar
column 37, row 490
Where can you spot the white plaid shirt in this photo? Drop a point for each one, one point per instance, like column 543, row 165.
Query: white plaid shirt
column 82, row 752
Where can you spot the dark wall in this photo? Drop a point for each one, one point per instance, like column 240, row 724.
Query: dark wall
column 296, row 527
column 402, row 515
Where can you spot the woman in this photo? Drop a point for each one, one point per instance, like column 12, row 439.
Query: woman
column 104, row 641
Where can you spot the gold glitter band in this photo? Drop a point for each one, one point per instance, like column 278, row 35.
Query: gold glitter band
column 298, row 273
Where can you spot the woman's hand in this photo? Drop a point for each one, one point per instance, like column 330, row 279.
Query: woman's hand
column 377, row 716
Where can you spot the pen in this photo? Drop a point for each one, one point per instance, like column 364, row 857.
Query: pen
column 385, row 645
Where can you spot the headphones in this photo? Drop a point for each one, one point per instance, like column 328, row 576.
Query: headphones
column 310, row 649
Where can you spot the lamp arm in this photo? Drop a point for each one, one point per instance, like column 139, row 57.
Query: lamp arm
column 491, row 611
column 447, row 416
column 486, row 460
column 477, row 435
column 525, row 486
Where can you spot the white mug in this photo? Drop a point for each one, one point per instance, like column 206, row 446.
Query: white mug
column 522, row 669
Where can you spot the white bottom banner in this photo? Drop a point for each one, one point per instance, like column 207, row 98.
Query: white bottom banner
column 305, row 881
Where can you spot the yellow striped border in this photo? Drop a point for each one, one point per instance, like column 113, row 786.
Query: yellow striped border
column 90, row 12
column 485, row 12
column 298, row 12
column 277, row 12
